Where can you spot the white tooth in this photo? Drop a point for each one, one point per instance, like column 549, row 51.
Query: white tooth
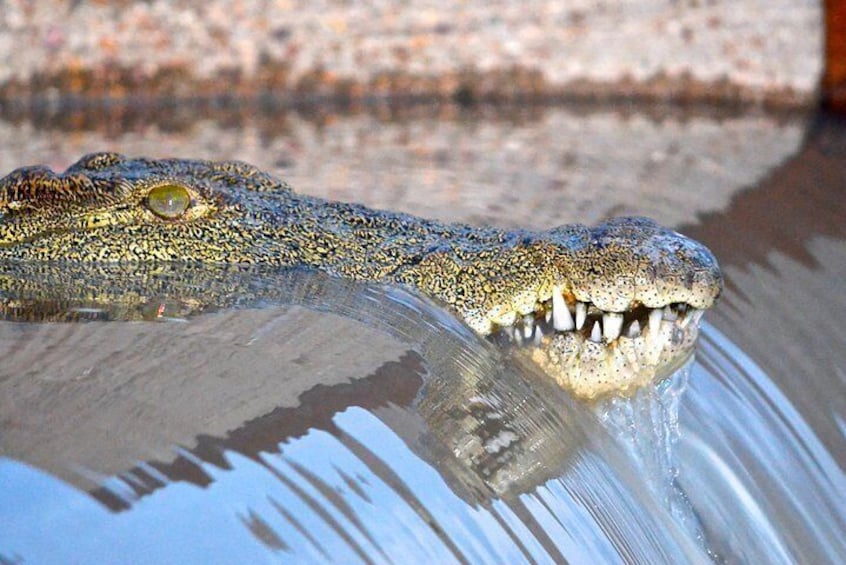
column 562, row 320
column 692, row 315
column 581, row 314
column 655, row 317
column 612, row 324
column 669, row 314
column 518, row 336
column 596, row 332
column 547, row 316
column 634, row 330
column 528, row 326
column 538, row 336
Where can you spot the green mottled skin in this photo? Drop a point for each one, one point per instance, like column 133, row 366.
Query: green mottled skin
column 98, row 212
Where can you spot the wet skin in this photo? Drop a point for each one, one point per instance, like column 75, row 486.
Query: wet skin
column 607, row 308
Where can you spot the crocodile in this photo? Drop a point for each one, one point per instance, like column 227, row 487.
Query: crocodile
column 602, row 309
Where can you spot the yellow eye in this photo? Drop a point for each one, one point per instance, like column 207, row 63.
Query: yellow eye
column 168, row 201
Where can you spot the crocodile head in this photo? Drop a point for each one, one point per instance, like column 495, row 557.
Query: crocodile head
column 604, row 308
column 601, row 309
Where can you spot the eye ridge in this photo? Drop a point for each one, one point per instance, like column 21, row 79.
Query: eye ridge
column 168, row 201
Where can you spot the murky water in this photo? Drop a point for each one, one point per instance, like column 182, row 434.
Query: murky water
column 317, row 420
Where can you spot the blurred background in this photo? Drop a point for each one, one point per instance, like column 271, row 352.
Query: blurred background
column 352, row 53
column 446, row 110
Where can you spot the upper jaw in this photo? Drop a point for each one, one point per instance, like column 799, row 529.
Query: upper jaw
column 630, row 261
column 620, row 267
column 621, row 307
column 561, row 313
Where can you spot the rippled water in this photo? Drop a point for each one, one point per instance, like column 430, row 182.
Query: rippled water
column 760, row 478
column 321, row 420
column 462, row 455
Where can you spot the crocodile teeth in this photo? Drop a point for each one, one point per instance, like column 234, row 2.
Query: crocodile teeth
column 655, row 317
column 634, row 330
column 612, row 324
column 581, row 314
column 517, row 335
column 528, row 326
column 692, row 315
column 596, row 332
column 670, row 314
column 562, row 320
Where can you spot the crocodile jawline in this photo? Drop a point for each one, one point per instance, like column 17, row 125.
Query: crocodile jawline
column 622, row 299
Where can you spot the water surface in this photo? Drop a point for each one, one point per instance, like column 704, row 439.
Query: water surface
column 325, row 420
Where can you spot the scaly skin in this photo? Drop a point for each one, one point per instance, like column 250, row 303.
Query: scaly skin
column 100, row 211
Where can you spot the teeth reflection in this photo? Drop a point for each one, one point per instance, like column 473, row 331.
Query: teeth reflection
column 562, row 320
column 581, row 314
column 596, row 332
column 692, row 315
column 517, row 336
column 634, row 330
column 528, row 325
column 655, row 317
column 538, row 336
column 612, row 324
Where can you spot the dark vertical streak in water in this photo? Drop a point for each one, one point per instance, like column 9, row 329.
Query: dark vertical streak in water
column 337, row 500
column 320, row 511
column 798, row 201
column 352, row 484
column 528, row 520
column 262, row 531
column 512, row 536
column 384, row 472
column 299, row 527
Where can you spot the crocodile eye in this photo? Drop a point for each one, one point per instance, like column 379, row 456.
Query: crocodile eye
column 168, row 201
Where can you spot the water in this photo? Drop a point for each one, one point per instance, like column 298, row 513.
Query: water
column 319, row 420
column 453, row 452
column 483, row 460
column 775, row 486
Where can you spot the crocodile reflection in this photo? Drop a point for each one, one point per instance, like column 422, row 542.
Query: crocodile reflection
column 491, row 424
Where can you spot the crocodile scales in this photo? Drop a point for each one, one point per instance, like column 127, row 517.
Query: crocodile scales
column 606, row 308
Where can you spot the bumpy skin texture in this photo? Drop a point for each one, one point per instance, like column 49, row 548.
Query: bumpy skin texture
column 99, row 211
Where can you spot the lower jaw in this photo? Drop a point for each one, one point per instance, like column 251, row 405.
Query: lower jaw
column 591, row 370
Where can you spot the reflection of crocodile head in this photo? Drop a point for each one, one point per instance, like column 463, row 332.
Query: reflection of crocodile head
column 617, row 304
column 489, row 422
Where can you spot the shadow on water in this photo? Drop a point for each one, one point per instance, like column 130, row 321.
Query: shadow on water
column 782, row 247
column 319, row 419
column 454, row 448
